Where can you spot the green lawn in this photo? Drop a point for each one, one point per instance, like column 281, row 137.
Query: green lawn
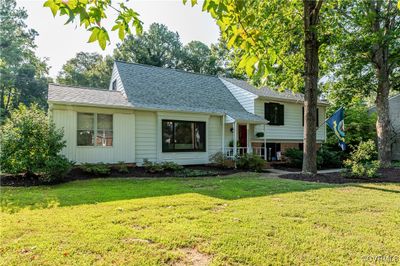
column 241, row 219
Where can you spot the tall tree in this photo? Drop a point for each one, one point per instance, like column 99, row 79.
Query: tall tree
column 197, row 57
column 22, row 72
column 87, row 69
column 368, row 60
column 158, row 47
column 279, row 43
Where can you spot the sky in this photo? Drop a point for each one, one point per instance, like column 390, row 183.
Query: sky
column 58, row 42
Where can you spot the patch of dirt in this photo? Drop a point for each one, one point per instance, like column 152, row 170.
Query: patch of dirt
column 386, row 175
column 137, row 240
column 193, row 257
column 77, row 174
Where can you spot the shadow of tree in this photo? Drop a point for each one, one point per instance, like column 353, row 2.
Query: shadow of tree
column 104, row 190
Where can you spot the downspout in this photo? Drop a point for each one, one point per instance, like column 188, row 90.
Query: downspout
column 223, row 135
column 265, row 145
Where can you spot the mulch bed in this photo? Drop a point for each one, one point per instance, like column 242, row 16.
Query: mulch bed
column 389, row 175
column 139, row 172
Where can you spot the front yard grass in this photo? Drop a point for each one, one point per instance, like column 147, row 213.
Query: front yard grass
column 233, row 220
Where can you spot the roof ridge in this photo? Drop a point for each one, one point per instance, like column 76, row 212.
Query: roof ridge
column 165, row 68
column 80, row 87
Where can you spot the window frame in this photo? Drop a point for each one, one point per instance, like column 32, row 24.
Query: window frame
column 282, row 120
column 163, row 149
column 114, row 85
column 95, row 130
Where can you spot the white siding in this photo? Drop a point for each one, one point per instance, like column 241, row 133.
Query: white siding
column 215, row 132
column 146, row 135
column 394, row 112
column 292, row 130
column 245, row 98
column 123, row 148
column 115, row 76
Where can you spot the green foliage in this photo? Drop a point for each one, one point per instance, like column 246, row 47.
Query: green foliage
column 154, row 167
column 163, row 48
column 91, row 15
column 122, row 167
column 359, row 125
column 295, row 157
column 218, row 159
column 250, row 162
column 260, row 134
column 97, row 169
column 30, row 144
column 362, row 161
column 23, row 74
column 55, row 169
column 326, row 158
column 195, row 173
column 88, row 70
column 171, row 166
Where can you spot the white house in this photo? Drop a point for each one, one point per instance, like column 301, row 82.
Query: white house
column 171, row 115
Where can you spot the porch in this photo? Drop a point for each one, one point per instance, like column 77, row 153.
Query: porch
column 248, row 137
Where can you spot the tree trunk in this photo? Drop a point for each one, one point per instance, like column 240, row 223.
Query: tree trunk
column 311, row 10
column 381, row 63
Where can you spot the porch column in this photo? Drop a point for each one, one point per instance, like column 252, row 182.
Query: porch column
column 265, row 145
column 249, row 148
column 223, row 135
column 234, row 139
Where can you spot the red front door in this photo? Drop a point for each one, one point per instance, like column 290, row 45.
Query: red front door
column 243, row 135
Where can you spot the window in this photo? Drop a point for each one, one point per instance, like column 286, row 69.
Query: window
column 274, row 113
column 114, row 85
column 94, row 130
column 317, row 122
column 183, row 136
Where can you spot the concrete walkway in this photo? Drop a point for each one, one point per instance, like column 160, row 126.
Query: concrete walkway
column 277, row 172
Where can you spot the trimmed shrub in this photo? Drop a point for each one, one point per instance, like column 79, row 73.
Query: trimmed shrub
column 171, row 166
column 250, row 162
column 121, row 167
column 31, row 145
column 218, row 159
column 362, row 161
column 152, row 167
column 97, row 169
column 56, row 168
column 295, row 157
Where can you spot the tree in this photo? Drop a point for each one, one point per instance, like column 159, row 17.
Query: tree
column 31, row 144
column 87, row 69
column 274, row 39
column 22, row 73
column 158, row 47
column 197, row 57
column 368, row 60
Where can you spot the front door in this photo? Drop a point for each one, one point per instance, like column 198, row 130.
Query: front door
column 243, row 136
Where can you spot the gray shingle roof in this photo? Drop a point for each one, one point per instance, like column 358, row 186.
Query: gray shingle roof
column 269, row 93
column 90, row 96
column 170, row 89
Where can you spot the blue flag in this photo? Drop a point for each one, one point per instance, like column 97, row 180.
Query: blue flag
column 336, row 123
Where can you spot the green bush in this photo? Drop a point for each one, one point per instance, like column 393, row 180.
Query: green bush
column 121, row 167
column 152, row 167
column 172, row 166
column 97, row 169
column 295, row 157
column 325, row 158
column 56, row 168
column 362, row 161
column 218, row 159
column 31, row 144
column 250, row 162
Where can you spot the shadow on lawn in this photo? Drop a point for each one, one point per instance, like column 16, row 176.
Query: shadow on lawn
column 93, row 191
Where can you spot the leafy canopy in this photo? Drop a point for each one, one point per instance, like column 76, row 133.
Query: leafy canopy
column 87, row 69
column 91, row 13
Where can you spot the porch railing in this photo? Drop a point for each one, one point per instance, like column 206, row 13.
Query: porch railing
column 260, row 151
